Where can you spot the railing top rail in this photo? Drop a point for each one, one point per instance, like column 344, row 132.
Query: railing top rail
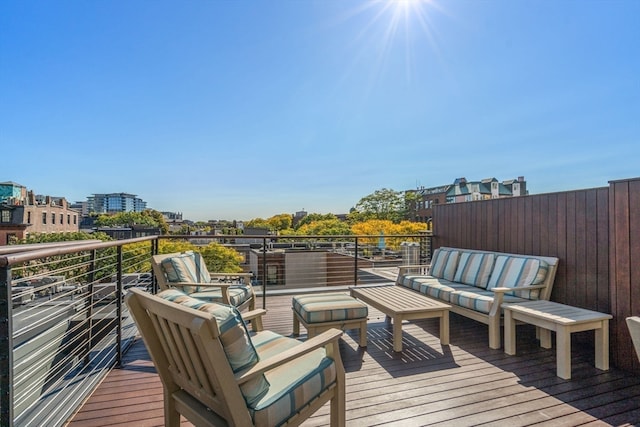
column 291, row 236
column 12, row 249
column 7, row 260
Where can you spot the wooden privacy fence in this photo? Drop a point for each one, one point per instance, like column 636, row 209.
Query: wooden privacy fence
column 594, row 232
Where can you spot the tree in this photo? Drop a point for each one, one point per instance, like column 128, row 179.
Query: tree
column 280, row 222
column 325, row 227
column 217, row 257
column 384, row 204
column 309, row 218
column 149, row 217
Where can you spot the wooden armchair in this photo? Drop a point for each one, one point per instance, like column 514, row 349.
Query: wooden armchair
column 187, row 271
column 633, row 323
column 212, row 380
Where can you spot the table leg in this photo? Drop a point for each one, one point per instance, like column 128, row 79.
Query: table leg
column 363, row 333
column 602, row 346
column 444, row 327
column 563, row 353
column 296, row 325
column 545, row 337
column 509, row 333
column 397, row 333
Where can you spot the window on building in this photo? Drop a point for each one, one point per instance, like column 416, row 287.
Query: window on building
column 44, row 217
column 53, row 218
column 6, row 216
column 29, row 217
column 61, row 219
column 68, row 219
column 74, row 219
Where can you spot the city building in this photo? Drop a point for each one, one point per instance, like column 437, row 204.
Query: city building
column 23, row 213
column 113, row 203
column 420, row 209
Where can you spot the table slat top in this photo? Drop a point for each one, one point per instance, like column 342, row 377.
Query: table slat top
column 397, row 299
column 556, row 312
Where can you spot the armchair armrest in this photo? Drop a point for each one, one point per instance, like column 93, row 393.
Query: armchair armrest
column 327, row 338
column 255, row 317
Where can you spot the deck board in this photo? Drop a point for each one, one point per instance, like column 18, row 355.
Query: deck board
column 464, row 383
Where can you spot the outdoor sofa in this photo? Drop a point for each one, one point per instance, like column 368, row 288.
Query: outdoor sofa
column 476, row 283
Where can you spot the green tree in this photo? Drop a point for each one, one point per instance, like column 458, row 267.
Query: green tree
column 280, row 222
column 309, row 218
column 383, row 204
column 324, row 227
column 217, row 257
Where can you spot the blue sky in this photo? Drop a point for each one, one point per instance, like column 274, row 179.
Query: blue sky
column 243, row 109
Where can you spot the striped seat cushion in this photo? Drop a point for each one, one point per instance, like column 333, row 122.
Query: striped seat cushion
column 328, row 308
column 479, row 299
column 474, row 268
column 510, row 271
column 186, row 267
column 444, row 263
column 234, row 336
column 432, row 287
column 237, row 294
column 292, row 385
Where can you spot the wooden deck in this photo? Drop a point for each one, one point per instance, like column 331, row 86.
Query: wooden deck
column 462, row 384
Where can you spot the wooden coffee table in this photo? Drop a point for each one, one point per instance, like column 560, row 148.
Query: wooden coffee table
column 399, row 304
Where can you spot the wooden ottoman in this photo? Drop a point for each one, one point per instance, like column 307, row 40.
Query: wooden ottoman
column 319, row 312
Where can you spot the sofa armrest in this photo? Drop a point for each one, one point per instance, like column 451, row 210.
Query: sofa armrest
column 420, row 269
column 518, row 288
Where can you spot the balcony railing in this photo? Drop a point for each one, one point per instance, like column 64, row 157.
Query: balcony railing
column 65, row 325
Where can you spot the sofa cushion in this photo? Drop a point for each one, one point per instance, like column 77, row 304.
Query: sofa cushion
column 444, row 263
column 474, row 268
column 432, row 286
column 237, row 294
column 234, row 336
column 292, row 385
column 511, row 271
column 478, row 299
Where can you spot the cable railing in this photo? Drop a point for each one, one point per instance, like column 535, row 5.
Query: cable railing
column 64, row 324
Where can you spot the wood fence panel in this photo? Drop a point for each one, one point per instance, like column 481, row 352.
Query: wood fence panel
column 595, row 233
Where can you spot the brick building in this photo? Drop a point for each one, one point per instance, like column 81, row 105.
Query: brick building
column 23, row 213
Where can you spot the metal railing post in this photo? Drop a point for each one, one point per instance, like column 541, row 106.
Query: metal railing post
column 91, row 278
column 119, row 295
column 6, row 348
column 264, row 272
column 355, row 265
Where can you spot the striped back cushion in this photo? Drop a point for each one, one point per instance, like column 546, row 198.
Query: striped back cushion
column 474, row 268
column 234, row 337
column 186, row 267
column 511, row 271
column 444, row 263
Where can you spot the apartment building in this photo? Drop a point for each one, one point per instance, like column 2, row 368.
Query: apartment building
column 112, row 203
column 462, row 190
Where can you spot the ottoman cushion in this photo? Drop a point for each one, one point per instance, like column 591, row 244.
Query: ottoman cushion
column 319, row 308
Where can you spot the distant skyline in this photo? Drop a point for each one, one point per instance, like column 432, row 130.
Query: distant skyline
column 244, row 109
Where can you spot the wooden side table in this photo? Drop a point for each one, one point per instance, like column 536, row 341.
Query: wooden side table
column 563, row 320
